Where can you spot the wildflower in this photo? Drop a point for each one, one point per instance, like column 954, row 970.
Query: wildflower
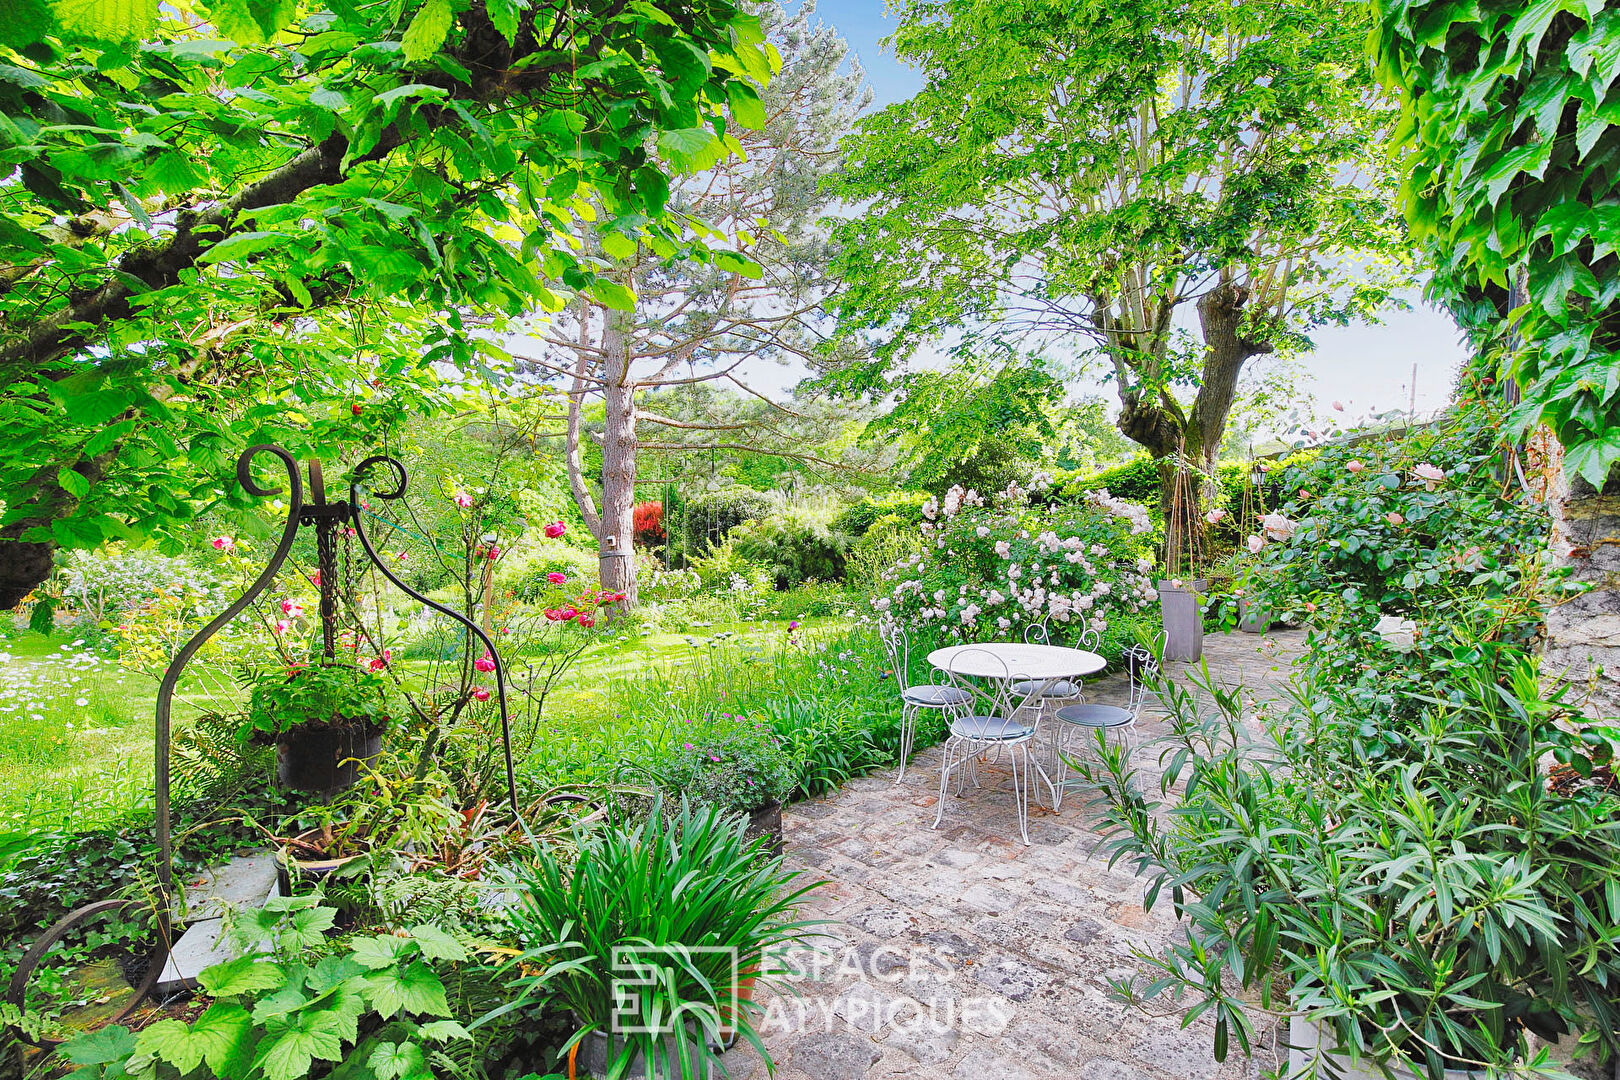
column 292, row 608
column 480, row 693
column 556, row 577
column 555, row 529
column 223, row 543
column 1431, row 475
column 462, row 499
column 484, row 663
column 399, row 556
column 793, row 625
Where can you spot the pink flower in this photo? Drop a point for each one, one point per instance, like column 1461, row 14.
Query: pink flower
column 553, row 614
column 493, row 553
column 567, row 613
column 1310, row 607
column 485, row 663
column 281, row 626
column 292, row 608
column 556, row 529
column 223, row 543
column 1215, row 517
column 399, row 556
column 1355, row 466
column 462, row 499
column 1394, row 518
column 556, row 577
column 1277, row 526
column 315, row 579
column 1338, row 406
column 794, row 625
column 480, row 693
column 586, row 621
column 1256, row 543
column 1431, row 475
column 379, row 662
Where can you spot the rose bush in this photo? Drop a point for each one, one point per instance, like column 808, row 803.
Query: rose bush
column 989, row 569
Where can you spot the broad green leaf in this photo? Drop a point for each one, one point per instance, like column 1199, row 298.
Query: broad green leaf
column 381, row 950
column 445, row 1030
column 391, row 1061
column 241, row 245
column 98, row 407
column 242, row 975
column 436, row 944
column 105, row 20
column 73, row 483
column 327, row 98
column 618, row 245
column 427, row 31
column 108, row 1044
column 746, row 107
column 505, row 16
column 291, row 1046
column 613, row 294
column 416, row 990
column 219, row 1035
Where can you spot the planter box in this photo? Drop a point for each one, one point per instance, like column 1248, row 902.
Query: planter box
column 594, row 1057
column 1183, row 621
column 1305, row 1043
column 1254, row 620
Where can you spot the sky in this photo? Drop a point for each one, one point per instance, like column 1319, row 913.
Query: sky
column 1366, row 368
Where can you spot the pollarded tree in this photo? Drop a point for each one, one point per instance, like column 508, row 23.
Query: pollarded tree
column 1097, row 174
column 756, row 297
column 208, row 232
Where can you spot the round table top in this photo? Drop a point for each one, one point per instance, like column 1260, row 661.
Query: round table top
column 998, row 659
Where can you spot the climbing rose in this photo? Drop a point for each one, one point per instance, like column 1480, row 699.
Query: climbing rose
column 568, row 613
column 1256, row 543
column 1431, row 475
column 281, row 626
column 292, row 608
column 556, row 577
column 1214, row 517
column 485, row 663
column 1355, row 466
column 556, row 529
column 462, row 499
column 493, row 553
column 481, row 693
column 379, row 662
column 223, row 543
column 586, row 621
column 1277, row 526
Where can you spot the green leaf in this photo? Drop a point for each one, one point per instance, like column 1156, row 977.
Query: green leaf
column 436, row 944
column 381, row 951
column 241, row 245
column 219, row 1036
column 421, row 90
column 391, row 1061
column 105, row 20
column 416, row 990
column 618, row 245
column 252, row 21
column 73, row 483
column 97, row 407
column 42, row 620
column 327, row 98
column 445, row 1030
column 427, row 31
column 687, row 148
column 292, row 1045
column 243, row 975
column 612, row 294
column 505, row 16
column 109, row 1044
column 746, row 107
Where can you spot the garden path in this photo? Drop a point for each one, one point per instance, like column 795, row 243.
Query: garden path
column 1010, row 947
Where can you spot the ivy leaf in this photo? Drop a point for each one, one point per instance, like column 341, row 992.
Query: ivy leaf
column 436, row 944
column 427, row 31
column 240, row 976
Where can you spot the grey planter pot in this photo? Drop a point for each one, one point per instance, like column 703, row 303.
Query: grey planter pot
column 1307, row 1047
column 1254, row 620
column 1183, row 621
column 594, row 1057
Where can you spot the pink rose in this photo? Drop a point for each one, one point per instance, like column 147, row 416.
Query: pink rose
column 1256, row 543
column 485, row 663
column 493, row 553
column 1431, row 475
column 462, row 499
column 292, row 608
column 556, row 577
column 1215, row 517
column 223, row 543
column 553, row 614
column 480, row 693
column 567, row 613
column 1394, row 518
column 379, row 662
column 556, row 529
column 1277, row 526
column 280, row 626
column 1355, row 466
column 586, row 621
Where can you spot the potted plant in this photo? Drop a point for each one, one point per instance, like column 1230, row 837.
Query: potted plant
column 325, row 720
column 684, row 905
column 1427, row 898
column 737, row 765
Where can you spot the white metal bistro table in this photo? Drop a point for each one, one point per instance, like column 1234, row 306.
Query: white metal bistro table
column 1042, row 665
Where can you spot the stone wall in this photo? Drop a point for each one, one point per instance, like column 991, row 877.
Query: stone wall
column 1583, row 632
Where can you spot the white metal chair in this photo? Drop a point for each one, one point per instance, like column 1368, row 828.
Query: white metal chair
column 938, row 693
column 1142, row 671
column 989, row 724
column 1038, row 693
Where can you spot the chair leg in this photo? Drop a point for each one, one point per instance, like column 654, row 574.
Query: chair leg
column 1021, row 790
column 1060, row 764
column 944, row 781
column 908, row 721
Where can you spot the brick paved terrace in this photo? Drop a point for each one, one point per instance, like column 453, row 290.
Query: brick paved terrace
column 961, row 953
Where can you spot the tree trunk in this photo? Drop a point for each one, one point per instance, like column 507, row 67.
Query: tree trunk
column 1220, row 315
column 616, row 534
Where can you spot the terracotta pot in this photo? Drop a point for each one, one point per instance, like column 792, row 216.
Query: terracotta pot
column 324, row 757
column 745, row 992
column 767, row 821
column 1183, row 621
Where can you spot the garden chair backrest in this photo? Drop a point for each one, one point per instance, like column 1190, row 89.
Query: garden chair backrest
column 897, row 646
column 992, row 696
column 1142, row 668
column 1036, row 634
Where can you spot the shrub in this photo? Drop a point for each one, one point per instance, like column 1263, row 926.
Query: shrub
column 795, row 545
column 726, row 569
column 707, row 516
column 903, row 506
column 1438, row 909
column 727, row 762
column 994, row 569
column 648, row 519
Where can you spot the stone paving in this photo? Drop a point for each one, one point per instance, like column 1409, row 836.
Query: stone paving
column 961, row 953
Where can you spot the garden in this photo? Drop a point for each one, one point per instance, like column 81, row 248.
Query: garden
column 441, row 641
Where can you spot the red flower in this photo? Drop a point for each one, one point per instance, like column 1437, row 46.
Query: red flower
column 556, row 529
column 556, row 577
column 586, row 621
column 480, row 693
column 568, row 613
column 553, row 614
column 485, row 663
